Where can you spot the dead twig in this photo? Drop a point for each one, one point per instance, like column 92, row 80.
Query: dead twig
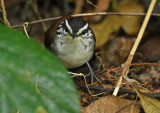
column 101, row 64
column 130, row 57
column 121, row 91
column 133, row 105
column 86, row 14
column 80, row 74
column 25, row 25
column 134, row 64
column 89, row 2
column 4, row 14
column 34, row 6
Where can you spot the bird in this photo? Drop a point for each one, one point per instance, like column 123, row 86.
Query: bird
column 73, row 41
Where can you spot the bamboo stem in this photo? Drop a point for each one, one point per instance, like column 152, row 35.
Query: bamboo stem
column 134, row 48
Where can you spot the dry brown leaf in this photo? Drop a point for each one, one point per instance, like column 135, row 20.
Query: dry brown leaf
column 111, row 104
column 111, row 24
column 130, row 24
column 150, row 105
column 104, row 29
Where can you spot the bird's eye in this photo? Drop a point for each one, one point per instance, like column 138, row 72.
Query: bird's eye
column 66, row 29
column 83, row 32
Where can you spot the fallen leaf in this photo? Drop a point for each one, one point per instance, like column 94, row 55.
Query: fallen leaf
column 150, row 105
column 111, row 104
column 111, row 24
column 104, row 29
column 130, row 24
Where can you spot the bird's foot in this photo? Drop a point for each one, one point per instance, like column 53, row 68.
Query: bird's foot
column 91, row 73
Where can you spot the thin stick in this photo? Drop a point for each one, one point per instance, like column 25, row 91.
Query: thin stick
column 80, row 74
column 87, row 14
column 130, row 57
column 25, row 25
column 4, row 14
column 131, row 111
column 35, row 10
column 89, row 2
column 134, row 64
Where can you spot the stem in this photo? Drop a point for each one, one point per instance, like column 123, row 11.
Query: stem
column 86, row 14
column 134, row 48
column 4, row 14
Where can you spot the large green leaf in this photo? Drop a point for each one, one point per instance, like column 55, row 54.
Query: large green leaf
column 32, row 80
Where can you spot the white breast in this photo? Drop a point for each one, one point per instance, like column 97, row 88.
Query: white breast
column 74, row 52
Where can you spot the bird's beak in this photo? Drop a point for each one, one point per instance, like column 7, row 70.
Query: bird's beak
column 74, row 36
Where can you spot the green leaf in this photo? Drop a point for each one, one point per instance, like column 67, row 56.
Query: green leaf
column 150, row 105
column 32, row 80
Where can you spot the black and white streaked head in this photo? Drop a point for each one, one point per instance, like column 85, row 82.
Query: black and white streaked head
column 74, row 42
column 75, row 28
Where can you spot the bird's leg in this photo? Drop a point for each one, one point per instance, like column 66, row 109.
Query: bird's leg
column 92, row 73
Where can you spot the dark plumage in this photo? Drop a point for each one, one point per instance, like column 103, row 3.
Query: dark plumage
column 76, row 23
